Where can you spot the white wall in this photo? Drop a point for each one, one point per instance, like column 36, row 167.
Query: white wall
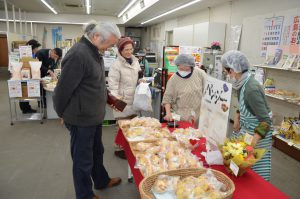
column 69, row 31
column 233, row 14
column 145, row 34
column 250, row 14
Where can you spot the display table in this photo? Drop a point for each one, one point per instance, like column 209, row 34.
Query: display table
column 51, row 114
column 250, row 185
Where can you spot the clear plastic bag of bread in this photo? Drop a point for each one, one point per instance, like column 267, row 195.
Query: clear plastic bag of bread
column 157, row 133
column 143, row 146
column 213, row 181
column 124, row 124
column 192, row 161
column 165, row 183
column 153, row 150
column 142, row 160
column 133, row 132
column 184, row 188
column 146, row 122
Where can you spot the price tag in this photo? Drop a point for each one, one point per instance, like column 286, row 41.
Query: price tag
column 234, row 168
column 290, row 143
column 175, row 117
column 248, row 138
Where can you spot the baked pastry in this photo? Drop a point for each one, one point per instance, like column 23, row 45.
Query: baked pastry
column 142, row 146
column 160, row 186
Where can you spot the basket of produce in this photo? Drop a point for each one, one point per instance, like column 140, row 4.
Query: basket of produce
column 187, row 183
column 238, row 153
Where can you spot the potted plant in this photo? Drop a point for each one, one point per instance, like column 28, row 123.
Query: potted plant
column 215, row 46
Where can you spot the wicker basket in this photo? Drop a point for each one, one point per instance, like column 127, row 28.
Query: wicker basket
column 147, row 183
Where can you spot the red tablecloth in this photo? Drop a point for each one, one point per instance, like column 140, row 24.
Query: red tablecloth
column 248, row 186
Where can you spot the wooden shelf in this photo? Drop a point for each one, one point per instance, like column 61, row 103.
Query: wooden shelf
column 287, row 147
column 282, row 99
column 277, row 68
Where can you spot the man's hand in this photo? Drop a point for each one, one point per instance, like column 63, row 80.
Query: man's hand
column 52, row 75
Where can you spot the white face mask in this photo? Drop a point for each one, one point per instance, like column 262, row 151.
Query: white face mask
column 183, row 73
column 232, row 80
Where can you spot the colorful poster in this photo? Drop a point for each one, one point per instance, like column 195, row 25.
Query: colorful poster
column 170, row 53
column 214, row 111
column 56, row 36
column 272, row 33
column 13, row 57
column 295, row 34
column 286, row 35
column 25, row 51
column 197, row 53
column 33, row 88
column 14, row 88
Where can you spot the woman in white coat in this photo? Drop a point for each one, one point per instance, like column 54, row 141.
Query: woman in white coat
column 122, row 80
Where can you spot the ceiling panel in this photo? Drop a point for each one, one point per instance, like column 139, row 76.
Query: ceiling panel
column 165, row 5
column 113, row 7
column 99, row 7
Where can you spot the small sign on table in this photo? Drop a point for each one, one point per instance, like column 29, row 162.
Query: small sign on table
column 33, row 88
column 14, row 88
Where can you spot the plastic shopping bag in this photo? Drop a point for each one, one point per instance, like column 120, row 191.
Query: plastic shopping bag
column 142, row 98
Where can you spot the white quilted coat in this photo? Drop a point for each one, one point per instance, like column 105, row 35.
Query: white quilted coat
column 122, row 81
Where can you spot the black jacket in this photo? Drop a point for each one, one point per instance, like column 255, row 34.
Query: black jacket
column 80, row 95
column 47, row 62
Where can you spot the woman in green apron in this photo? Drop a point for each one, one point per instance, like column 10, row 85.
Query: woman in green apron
column 254, row 112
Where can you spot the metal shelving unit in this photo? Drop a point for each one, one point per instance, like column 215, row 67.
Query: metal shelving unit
column 287, row 100
column 277, row 68
column 14, row 103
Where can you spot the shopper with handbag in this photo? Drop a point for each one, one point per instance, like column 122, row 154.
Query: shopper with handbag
column 122, row 81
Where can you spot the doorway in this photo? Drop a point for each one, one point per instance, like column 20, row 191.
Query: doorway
column 3, row 51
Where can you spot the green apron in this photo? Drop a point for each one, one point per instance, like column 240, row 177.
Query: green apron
column 248, row 122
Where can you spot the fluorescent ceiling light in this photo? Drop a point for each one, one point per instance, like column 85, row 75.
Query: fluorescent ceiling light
column 126, row 8
column 47, row 22
column 50, row 8
column 171, row 11
column 88, row 6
